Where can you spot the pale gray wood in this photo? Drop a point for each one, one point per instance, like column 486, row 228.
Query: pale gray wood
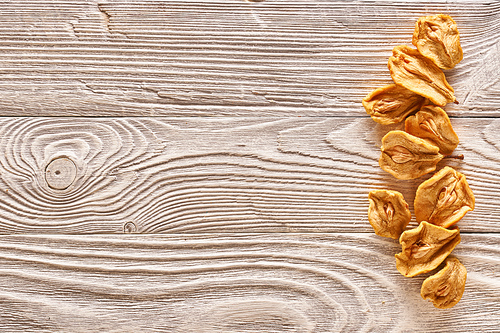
column 234, row 283
column 216, row 177
column 234, row 57
column 171, row 175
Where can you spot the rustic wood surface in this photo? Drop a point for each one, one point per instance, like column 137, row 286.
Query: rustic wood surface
column 203, row 166
column 234, row 283
column 231, row 57
column 150, row 175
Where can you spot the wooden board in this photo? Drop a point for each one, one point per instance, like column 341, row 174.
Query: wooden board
column 219, row 175
column 232, row 58
column 233, row 283
column 106, row 128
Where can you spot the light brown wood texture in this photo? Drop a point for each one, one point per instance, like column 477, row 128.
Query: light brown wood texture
column 220, row 175
column 234, row 57
column 234, row 283
column 126, row 207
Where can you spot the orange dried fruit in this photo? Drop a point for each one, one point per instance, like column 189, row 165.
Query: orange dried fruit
column 425, row 248
column 407, row 157
column 444, row 198
column 388, row 213
column 436, row 37
column 446, row 287
column 432, row 123
column 391, row 104
column 419, row 74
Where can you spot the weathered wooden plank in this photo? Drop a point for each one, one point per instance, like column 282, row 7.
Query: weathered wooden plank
column 234, row 283
column 91, row 175
column 270, row 58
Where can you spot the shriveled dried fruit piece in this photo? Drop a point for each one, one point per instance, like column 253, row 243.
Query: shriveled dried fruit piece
column 444, row 198
column 388, row 213
column 406, row 157
column 415, row 72
column 424, row 248
column 432, row 123
column 391, row 104
column 436, row 37
column 446, row 287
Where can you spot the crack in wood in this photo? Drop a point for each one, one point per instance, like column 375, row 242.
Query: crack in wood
column 105, row 16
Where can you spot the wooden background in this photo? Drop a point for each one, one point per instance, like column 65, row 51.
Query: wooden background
column 214, row 166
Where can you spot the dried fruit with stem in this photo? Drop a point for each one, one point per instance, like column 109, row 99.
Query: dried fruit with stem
column 436, row 37
column 417, row 73
column 391, row 104
column 444, row 198
column 407, row 157
column 446, row 287
column 388, row 213
column 432, row 123
column 425, row 248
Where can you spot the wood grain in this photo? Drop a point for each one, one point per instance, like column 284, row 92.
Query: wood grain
column 232, row 58
column 229, row 283
column 262, row 209
column 171, row 175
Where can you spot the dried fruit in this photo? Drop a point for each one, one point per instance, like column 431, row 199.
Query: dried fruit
column 432, row 123
column 424, row 248
column 388, row 213
column 391, row 104
column 436, row 37
column 406, row 157
column 415, row 72
column 446, row 287
column 444, row 198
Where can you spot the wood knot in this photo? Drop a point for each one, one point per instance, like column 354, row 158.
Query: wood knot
column 129, row 227
column 60, row 173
